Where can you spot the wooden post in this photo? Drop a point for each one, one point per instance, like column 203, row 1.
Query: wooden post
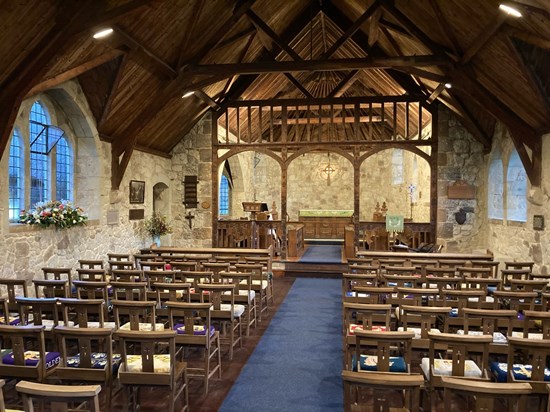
column 215, row 168
column 433, row 173
column 356, row 195
column 284, row 210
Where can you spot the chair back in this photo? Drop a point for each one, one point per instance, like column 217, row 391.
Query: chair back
column 136, row 291
column 82, row 311
column 58, row 397
column 91, row 290
column 140, row 315
column 127, row 275
column 90, row 264
column 92, row 275
column 14, row 288
column 51, row 288
column 38, row 311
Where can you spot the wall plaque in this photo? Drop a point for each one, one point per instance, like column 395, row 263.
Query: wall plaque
column 136, row 214
column 461, row 190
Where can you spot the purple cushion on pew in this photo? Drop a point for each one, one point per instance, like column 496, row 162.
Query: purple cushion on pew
column 197, row 329
column 32, row 358
column 99, row 361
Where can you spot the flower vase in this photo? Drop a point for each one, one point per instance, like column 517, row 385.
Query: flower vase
column 156, row 241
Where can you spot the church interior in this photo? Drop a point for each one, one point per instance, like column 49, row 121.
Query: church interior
column 194, row 189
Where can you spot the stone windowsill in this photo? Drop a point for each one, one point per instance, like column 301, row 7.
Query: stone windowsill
column 499, row 222
column 23, row 228
column 515, row 223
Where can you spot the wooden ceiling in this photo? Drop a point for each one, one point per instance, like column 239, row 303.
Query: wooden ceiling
column 227, row 50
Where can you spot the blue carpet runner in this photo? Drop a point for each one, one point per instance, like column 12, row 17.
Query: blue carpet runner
column 297, row 364
column 322, row 254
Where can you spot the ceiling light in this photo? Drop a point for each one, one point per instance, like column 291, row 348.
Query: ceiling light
column 510, row 10
column 103, row 33
column 448, row 85
column 187, row 94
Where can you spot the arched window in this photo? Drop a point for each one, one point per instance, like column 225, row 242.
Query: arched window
column 39, row 153
column 15, row 176
column 495, row 193
column 64, row 171
column 516, row 186
column 397, row 166
column 224, row 195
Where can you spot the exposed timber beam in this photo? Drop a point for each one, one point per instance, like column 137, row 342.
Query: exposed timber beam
column 143, row 52
column 331, row 120
column 435, row 94
column 374, row 28
column 528, row 37
column 190, row 31
column 112, row 93
column 318, row 65
column 74, row 72
column 206, row 99
column 236, row 37
column 445, row 27
column 494, row 106
column 171, row 91
column 440, row 78
column 483, row 38
column 260, row 24
column 352, row 29
column 344, row 84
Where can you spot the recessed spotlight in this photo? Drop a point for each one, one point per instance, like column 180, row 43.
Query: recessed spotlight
column 103, row 33
column 510, row 10
column 187, row 94
column 448, row 85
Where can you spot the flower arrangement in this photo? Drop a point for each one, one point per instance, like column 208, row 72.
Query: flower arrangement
column 59, row 213
column 156, row 225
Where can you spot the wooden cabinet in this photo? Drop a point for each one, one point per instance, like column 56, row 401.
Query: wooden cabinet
column 295, row 240
column 324, row 226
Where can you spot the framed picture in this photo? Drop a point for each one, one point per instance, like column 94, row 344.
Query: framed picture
column 137, row 191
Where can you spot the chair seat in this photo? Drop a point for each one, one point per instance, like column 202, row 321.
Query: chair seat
column 161, row 363
column 251, row 295
column 417, row 331
column 444, row 367
column 33, row 357
column 521, row 372
column 197, row 329
column 530, row 335
column 145, row 327
column 258, row 282
column 488, row 299
column 354, row 326
column 107, row 325
column 238, row 309
column 99, row 361
column 49, row 324
column 370, row 363
column 13, row 320
column 497, row 336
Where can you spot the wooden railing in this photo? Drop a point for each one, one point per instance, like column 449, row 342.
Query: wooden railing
column 375, row 235
column 249, row 234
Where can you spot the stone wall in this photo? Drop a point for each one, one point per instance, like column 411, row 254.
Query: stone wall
column 460, row 158
column 193, row 156
column 510, row 240
column 25, row 249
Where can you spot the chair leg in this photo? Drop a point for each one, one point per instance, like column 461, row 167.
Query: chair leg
column 207, row 350
column 218, row 345
column 231, row 339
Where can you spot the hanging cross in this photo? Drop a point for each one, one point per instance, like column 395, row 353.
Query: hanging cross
column 412, row 188
column 329, row 170
column 190, row 218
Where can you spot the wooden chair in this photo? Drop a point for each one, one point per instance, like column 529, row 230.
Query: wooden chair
column 364, row 269
column 159, row 276
column 151, row 366
column 119, row 257
column 516, row 300
column 350, row 280
column 140, row 258
column 120, row 265
column 162, row 293
column 39, row 312
column 215, row 268
column 377, row 351
column 260, row 285
column 5, row 317
column 358, row 316
column 28, row 358
column 244, row 295
column 385, row 388
column 128, row 275
column 60, row 274
column 516, row 274
column 457, row 301
column 415, row 297
column 454, row 356
column 194, row 328
column 86, row 357
column 92, row 275
column 528, row 361
column 93, row 290
column 153, row 265
column 90, row 264
column 13, row 288
column 370, row 294
column 266, row 262
column 59, row 397
column 519, row 265
column 136, row 315
column 85, row 313
column 421, row 320
column 495, row 323
column 486, row 396
column 228, row 314
column 129, row 290
column 185, row 266
column 51, row 288
column 536, row 325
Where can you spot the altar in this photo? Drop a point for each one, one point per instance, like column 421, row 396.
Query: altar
column 325, row 224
